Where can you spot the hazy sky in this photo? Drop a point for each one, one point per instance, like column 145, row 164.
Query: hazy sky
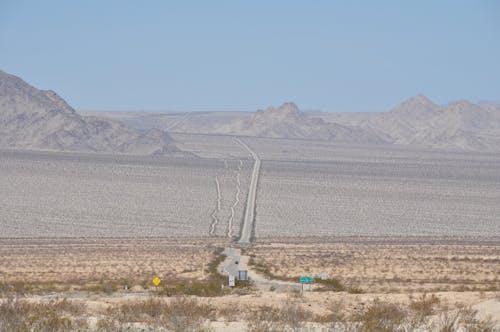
column 245, row 55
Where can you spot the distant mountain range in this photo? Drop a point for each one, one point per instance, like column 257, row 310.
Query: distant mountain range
column 418, row 121
column 288, row 121
column 459, row 125
column 40, row 119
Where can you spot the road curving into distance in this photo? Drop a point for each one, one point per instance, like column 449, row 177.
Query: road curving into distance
column 249, row 216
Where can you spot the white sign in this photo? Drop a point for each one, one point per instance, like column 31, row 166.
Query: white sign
column 231, row 281
column 243, row 275
column 324, row 276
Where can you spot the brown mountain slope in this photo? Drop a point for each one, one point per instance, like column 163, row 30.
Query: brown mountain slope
column 457, row 125
column 287, row 121
column 37, row 119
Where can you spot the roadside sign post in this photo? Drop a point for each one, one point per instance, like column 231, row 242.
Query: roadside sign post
column 156, row 281
column 243, row 275
column 306, row 280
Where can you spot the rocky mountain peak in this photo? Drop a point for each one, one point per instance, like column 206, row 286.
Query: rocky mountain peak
column 40, row 119
column 461, row 104
column 418, row 105
column 289, row 107
column 286, row 112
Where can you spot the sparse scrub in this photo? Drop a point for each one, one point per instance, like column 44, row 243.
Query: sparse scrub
column 107, row 287
column 211, row 286
column 19, row 315
column 294, row 316
column 331, row 284
column 464, row 318
column 335, row 316
column 259, row 267
column 204, row 288
column 361, row 264
column 264, row 319
column 424, row 305
column 288, row 317
column 180, row 315
column 382, row 317
column 187, row 315
column 149, row 310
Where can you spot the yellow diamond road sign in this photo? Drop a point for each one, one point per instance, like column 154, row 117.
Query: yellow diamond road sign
column 156, row 281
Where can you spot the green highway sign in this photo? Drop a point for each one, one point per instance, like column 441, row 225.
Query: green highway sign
column 306, row 280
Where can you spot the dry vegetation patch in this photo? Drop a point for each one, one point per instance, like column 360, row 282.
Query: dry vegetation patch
column 387, row 266
column 101, row 265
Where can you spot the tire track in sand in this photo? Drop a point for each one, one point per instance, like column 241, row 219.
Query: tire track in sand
column 230, row 221
column 215, row 220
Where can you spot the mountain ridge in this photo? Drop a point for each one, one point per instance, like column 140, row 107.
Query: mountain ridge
column 458, row 125
column 40, row 119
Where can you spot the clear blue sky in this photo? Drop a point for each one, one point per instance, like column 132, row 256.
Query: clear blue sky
column 245, row 55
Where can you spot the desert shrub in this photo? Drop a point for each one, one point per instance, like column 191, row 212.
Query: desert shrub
column 294, row 316
column 294, row 294
column 331, row 284
column 463, row 319
column 206, row 288
column 382, row 317
column 229, row 313
column 20, row 315
column 353, row 289
column 335, row 316
column 186, row 315
column 421, row 308
column 289, row 317
column 16, row 288
column 424, row 305
column 182, row 314
column 213, row 265
column 108, row 324
column 265, row 319
column 149, row 311
column 12, row 315
column 106, row 287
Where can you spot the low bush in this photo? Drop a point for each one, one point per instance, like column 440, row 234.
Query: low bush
column 331, row 284
column 181, row 314
column 20, row 315
column 382, row 317
column 264, row 319
column 463, row 319
column 187, row 315
column 288, row 317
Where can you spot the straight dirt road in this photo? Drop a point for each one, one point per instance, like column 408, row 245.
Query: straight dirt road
column 248, row 219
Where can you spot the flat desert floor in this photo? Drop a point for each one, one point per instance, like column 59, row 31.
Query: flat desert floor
column 386, row 223
column 46, row 194
column 74, row 264
column 304, row 189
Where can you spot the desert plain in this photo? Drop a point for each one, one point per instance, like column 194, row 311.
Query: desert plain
column 386, row 224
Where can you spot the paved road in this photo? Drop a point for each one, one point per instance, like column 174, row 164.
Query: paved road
column 248, row 219
column 235, row 261
column 232, row 263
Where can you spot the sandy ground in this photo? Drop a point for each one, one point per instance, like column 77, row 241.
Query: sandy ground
column 235, row 307
column 75, row 263
column 386, row 265
column 384, row 269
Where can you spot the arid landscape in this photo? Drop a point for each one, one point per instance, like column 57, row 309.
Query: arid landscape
column 229, row 166
column 409, row 229
column 105, row 284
